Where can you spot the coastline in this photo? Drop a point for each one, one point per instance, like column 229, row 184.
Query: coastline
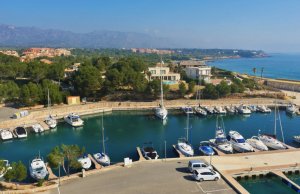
column 59, row 111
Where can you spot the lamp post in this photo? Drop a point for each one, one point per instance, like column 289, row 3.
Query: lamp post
column 165, row 150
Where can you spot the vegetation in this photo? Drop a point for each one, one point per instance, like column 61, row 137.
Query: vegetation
column 17, row 173
column 66, row 156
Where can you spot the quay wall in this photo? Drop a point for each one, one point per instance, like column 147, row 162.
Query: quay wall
column 284, row 85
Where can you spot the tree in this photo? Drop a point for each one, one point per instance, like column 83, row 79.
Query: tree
column 210, row 92
column 192, row 85
column 182, row 89
column 88, row 81
column 18, row 172
column 65, row 155
column 223, row 89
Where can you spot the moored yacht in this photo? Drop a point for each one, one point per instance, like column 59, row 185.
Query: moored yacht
column 263, row 109
column 256, row 143
column 187, row 109
column 38, row 169
column 50, row 120
column 230, row 109
column 85, row 162
column 20, row 132
column 271, row 141
column 220, row 141
column 161, row 111
column 6, row 134
column 291, row 108
column 209, row 110
column 206, row 148
column 101, row 157
column 253, row 108
column 183, row 144
column 238, row 142
column 296, row 138
column 243, row 109
column 74, row 120
column 149, row 152
column 220, row 110
column 37, row 128
column 200, row 111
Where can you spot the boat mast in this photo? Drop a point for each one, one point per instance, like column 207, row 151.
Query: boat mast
column 103, row 144
column 280, row 126
column 187, row 128
column 161, row 85
column 275, row 112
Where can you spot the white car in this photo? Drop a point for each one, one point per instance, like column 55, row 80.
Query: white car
column 206, row 174
column 198, row 164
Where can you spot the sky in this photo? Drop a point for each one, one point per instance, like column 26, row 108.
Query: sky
column 270, row 25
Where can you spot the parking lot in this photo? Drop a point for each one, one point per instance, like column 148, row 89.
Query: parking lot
column 146, row 177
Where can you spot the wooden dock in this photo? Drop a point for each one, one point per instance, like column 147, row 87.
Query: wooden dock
column 141, row 157
column 178, row 152
column 97, row 165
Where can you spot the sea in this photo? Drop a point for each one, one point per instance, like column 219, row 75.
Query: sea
column 278, row 66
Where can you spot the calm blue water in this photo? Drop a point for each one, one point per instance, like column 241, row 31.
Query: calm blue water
column 276, row 66
column 126, row 130
column 266, row 185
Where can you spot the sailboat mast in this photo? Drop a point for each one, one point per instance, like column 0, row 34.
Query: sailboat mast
column 187, row 128
column 275, row 112
column 103, row 144
column 161, row 84
column 281, row 129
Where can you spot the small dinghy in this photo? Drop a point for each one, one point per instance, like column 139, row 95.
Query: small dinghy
column 206, row 148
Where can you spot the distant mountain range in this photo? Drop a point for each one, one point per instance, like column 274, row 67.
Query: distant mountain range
column 12, row 36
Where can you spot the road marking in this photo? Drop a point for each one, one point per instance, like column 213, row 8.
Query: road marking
column 211, row 191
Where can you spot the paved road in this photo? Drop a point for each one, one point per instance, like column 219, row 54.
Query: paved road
column 144, row 178
column 6, row 113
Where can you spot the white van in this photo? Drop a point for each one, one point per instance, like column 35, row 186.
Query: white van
column 198, row 164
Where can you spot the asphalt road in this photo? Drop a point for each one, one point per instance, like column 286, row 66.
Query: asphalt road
column 144, row 178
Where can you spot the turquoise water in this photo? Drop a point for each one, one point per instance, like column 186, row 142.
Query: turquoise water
column 294, row 177
column 276, row 66
column 269, row 185
column 126, row 130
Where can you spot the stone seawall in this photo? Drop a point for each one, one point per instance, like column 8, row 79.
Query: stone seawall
column 284, row 85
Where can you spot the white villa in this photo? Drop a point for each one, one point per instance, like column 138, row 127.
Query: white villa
column 167, row 76
column 202, row 72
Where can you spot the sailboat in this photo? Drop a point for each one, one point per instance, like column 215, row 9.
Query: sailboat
column 102, row 158
column 270, row 140
column 199, row 110
column 183, row 144
column 161, row 111
column 38, row 169
column 50, row 120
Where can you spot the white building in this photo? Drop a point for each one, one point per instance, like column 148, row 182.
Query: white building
column 167, row 76
column 202, row 72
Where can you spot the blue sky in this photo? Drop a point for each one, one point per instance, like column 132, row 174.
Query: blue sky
column 271, row 25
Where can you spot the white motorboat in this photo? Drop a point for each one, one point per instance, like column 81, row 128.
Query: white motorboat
column 101, row 157
column 74, row 120
column 5, row 168
column 149, row 152
column 253, row 108
column 50, row 120
column 38, row 169
column 200, row 111
column 37, row 128
column 220, row 110
column 271, row 141
column 187, row 109
column 220, row 141
column 20, row 132
column 183, row 144
column 209, row 110
column 85, row 162
column 230, row 109
column 185, row 147
column 256, row 143
column 161, row 111
column 263, row 109
column 296, row 138
column 238, row 142
column 291, row 108
column 6, row 134
column 243, row 109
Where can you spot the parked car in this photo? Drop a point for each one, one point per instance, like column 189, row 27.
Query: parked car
column 198, row 164
column 206, row 174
